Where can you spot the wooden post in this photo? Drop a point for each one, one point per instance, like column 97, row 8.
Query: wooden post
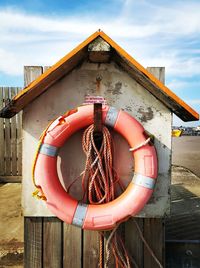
column 33, row 242
column 154, row 229
column 19, row 141
column 7, row 136
column 1, row 136
column 13, row 138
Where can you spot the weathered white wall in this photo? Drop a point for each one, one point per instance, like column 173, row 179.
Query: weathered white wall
column 121, row 91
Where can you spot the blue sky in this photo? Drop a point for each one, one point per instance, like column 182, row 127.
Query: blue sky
column 155, row 33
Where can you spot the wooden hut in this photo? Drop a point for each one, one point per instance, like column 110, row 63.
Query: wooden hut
column 97, row 67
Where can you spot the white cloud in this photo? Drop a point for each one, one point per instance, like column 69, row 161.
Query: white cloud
column 156, row 35
column 37, row 39
column 197, row 101
column 178, row 84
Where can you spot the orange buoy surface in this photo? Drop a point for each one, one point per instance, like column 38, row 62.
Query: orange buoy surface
column 101, row 216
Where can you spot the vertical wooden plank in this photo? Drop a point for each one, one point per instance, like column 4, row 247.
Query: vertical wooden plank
column 155, row 237
column 45, row 68
column 31, row 73
column 52, row 243
column 133, row 240
column 33, row 227
column 33, row 242
column 158, row 72
column 90, row 249
column 2, row 168
column 120, row 231
column 19, row 141
column 13, row 138
column 135, row 246
column 72, row 246
column 7, row 136
column 53, row 235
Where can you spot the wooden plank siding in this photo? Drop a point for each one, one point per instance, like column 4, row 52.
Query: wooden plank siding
column 10, row 140
column 19, row 141
column 13, row 136
column 154, row 235
column 52, row 243
column 72, row 246
column 33, row 226
column 7, row 141
column 33, row 242
column 134, row 245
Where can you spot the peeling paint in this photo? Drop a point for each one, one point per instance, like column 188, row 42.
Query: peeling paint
column 117, row 89
column 128, row 108
column 145, row 115
column 109, row 87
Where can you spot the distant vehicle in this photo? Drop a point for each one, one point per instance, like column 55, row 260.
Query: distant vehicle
column 177, row 132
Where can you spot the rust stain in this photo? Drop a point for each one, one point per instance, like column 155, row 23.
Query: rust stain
column 145, row 115
column 98, row 82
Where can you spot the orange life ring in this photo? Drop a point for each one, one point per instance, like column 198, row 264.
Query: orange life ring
column 103, row 216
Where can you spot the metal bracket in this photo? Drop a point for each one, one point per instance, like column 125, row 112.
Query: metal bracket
column 98, row 124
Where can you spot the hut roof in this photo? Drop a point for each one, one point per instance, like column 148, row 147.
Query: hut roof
column 113, row 52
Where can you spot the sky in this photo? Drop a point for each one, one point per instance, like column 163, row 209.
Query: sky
column 155, row 33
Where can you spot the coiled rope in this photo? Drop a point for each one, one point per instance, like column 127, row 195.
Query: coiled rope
column 99, row 182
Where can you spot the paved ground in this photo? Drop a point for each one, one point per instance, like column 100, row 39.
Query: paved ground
column 185, row 190
column 11, row 226
column 185, row 206
column 186, row 152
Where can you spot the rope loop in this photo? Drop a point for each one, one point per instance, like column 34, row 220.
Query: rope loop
column 140, row 145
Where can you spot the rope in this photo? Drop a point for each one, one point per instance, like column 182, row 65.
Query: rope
column 146, row 244
column 99, row 181
column 140, row 145
column 101, row 252
column 38, row 193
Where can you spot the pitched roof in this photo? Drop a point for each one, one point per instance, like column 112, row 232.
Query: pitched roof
column 122, row 58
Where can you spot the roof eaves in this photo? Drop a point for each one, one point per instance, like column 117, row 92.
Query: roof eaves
column 165, row 90
column 11, row 109
column 58, row 64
